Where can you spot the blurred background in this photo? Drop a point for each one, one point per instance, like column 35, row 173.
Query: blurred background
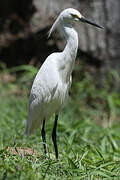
column 24, row 46
column 24, row 26
column 88, row 132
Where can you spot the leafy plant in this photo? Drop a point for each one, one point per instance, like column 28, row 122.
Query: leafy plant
column 86, row 150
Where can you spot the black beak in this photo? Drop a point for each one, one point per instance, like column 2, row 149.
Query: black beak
column 83, row 19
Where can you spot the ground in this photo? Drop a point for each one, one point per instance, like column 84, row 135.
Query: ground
column 88, row 148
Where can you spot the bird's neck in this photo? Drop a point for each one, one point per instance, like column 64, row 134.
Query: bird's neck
column 72, row 42
column 70, row 50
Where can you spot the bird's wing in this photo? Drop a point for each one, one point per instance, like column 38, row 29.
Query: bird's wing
column 45, row 83
column 43, row 89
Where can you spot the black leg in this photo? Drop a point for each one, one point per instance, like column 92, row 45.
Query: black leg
column 43, row 136
column 54, row 136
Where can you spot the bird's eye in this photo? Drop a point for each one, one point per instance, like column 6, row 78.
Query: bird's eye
column 74, row 16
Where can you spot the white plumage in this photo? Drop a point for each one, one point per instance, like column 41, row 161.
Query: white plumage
column 51, row 85
column 48, row 92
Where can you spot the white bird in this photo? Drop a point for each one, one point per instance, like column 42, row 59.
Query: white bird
column 52, row 83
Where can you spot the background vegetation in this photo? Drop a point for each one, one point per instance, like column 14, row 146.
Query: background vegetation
column 88, row 129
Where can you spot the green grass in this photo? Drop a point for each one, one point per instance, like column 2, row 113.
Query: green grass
column 87, row 151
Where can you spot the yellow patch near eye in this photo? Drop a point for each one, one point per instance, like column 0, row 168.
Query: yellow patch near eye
column 76, row 16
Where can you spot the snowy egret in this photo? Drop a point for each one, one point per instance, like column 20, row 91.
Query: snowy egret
column 52, row 83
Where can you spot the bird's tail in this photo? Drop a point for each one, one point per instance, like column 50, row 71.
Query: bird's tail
column 32, row 125
column 29, row 127
column 27, row 130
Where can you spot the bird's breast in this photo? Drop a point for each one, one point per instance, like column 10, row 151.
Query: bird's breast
column 62, row 91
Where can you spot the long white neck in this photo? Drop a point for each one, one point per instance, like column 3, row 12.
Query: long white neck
column 72, row 43
column 70, row 51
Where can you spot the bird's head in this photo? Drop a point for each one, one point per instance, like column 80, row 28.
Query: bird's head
column 70, row 15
